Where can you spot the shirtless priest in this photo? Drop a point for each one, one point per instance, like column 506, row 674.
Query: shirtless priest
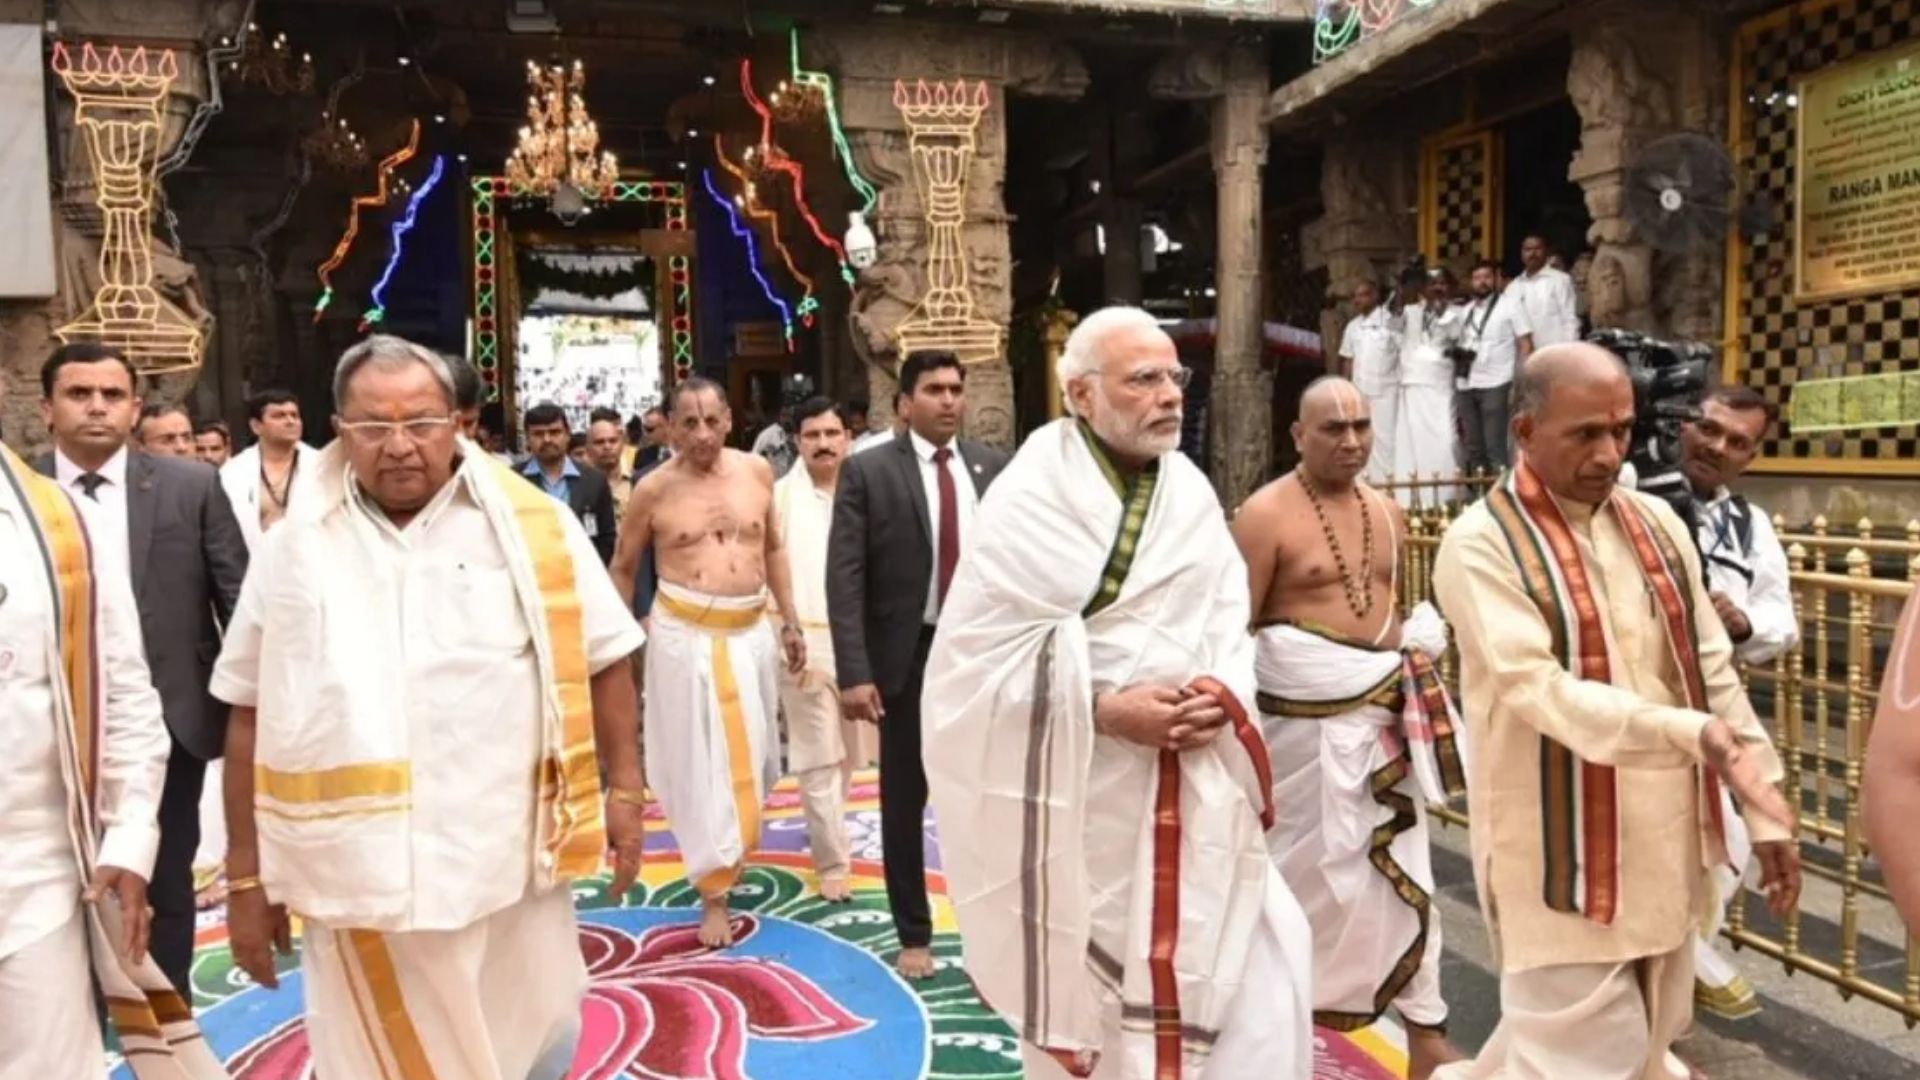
column 712, row 661
column 1360, row 729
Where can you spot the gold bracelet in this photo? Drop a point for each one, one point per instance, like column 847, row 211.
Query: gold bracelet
column 631, row 798
column 236, row 886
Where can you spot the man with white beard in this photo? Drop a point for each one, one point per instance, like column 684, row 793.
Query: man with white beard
column 1089, row 743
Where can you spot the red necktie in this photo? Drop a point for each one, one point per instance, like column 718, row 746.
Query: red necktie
column 949, row 521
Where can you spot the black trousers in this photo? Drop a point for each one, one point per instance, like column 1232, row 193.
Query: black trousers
column 171, row 890
column 903, row 806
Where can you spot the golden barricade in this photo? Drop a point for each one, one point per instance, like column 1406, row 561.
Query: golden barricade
column 1848, row 588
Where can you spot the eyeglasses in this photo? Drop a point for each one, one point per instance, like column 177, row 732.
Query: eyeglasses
column 1147, row 380
column 377, row 432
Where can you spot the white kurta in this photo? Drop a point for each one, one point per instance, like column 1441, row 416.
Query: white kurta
column 711, row 700
column 422, row 695
column 1426, row 443
column 240, row 477
column 1116, row 902
column 1371, row 344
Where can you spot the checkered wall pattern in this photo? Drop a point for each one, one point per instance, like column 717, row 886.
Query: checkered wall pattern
column 1461, row 203
column 676, row 321
column 1777, row 340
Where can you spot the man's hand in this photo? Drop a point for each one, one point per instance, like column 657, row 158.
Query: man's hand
column 1735, row 620
column 863, row 703
column 256, row 929
column 136, row 918
column 1162, row 717
column 627, row 837
column 1779, row 874
column 1725, row 755
column 794, row 644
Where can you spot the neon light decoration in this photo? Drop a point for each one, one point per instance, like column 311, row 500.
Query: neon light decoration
column 775, row 158
column 377, row 199
column 822, row 82
column 676, row 307
column 117, row 105
column 1338, row 25
column 378, row 311
column 753, row 256
column 942, row 122
column 749, row 200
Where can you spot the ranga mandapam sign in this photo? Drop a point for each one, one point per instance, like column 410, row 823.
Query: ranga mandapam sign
column 1857, row 210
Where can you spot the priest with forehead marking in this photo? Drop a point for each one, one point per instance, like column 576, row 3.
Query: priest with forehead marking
column 428, row 670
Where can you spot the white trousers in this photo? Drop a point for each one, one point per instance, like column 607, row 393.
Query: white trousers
column 48, row 1027
column 1588, row 1022
column 1265, row 1035
column 496, row 1000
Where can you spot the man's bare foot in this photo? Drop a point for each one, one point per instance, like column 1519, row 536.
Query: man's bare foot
column 716, row 923
column 1427, row 1050
column 834, row 889
column 915, row 963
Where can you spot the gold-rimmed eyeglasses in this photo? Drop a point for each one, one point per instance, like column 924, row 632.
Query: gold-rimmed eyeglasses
column 1147, row 380
column 377, row 432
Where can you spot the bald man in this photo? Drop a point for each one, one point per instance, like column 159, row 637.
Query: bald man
column 1355, row 756
column 1602, row 701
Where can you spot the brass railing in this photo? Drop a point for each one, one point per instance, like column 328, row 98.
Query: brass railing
column 1820, row 697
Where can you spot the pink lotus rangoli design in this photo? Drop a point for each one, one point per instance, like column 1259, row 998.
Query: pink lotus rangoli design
column 659, row 1006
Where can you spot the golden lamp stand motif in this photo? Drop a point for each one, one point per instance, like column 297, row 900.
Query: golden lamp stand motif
column 117, row 105
column 942, row 122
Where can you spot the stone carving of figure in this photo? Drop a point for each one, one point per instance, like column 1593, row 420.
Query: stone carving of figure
column 1582, row 275
column 1610, row 88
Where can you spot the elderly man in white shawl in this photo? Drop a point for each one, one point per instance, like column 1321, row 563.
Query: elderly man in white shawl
column 427, row 667
column 1090, row 753
column 1362, row 732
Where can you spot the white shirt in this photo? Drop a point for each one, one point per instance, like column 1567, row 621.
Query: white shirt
column 1549, row 301
column 872, row 439
column 1426, row 335
column 1493, row 329
column 105, row 512
column 1766, row 600
column 437, row 624
column 965, row 500
column 40, row 873
column 1371, row 346
column 240, row 476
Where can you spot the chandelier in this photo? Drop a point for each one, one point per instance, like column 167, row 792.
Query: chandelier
column 269, row 63
column 334, row 145
column 559, row 151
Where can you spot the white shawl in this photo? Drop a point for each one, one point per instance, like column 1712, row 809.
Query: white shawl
column 1069, row 855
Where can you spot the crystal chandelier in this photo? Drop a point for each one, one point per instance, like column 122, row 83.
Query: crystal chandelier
column 559, row 151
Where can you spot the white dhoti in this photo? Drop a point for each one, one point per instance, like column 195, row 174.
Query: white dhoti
column 211, row 858
column 711, row 692
column 1720, row 987
column 1588, row 1022
column 1383, row 401
column 823, row 749
column 498, row 999
column 47, row 1017
column 1350, row 834
column 1426, row 444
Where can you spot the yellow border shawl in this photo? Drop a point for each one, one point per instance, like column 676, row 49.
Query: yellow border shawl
column 156, row 1027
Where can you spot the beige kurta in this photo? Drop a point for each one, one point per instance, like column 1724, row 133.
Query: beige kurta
column 1514, row 691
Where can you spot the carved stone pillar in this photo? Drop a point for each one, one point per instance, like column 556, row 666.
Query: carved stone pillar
column 1638, row 72
column 1359, row 237
column 865, row 60
column 1242, row 405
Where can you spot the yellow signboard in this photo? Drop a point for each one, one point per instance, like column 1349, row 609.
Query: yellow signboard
column 1857, row 210
column 1854, row 402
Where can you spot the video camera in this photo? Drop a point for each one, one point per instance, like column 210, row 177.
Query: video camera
column 1669, row 379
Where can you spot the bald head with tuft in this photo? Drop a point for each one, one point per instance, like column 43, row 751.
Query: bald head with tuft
column 1335, row 431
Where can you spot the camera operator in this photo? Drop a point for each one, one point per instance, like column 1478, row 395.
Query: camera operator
column 1495, row 338
column 1745, row 566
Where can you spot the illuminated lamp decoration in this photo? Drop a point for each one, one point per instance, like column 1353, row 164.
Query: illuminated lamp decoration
column 117, row 104
column 378, row 312
column 270, row 64
column 749, row 200
column 772, row 157
column 334, row 145
column 676, row 291
column 823, row 83
column 942, row 123
column 1338, row 25
column 377, row 199
column 753, row 256
column 558, row 154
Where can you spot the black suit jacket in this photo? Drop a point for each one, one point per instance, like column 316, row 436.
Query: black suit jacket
column 880, row 559
column 187, row 559
column 592, row 501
